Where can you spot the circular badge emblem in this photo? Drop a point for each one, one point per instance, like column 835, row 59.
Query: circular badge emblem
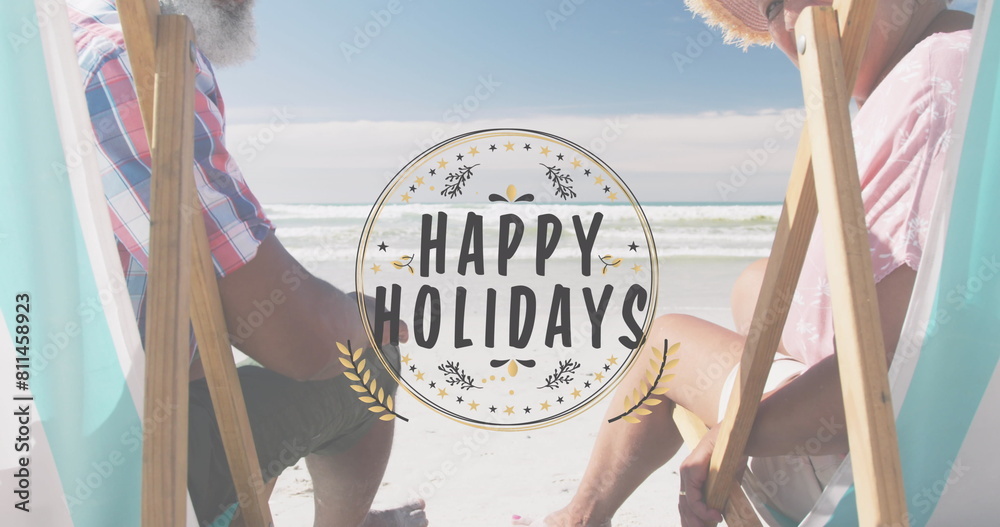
column 522, row 268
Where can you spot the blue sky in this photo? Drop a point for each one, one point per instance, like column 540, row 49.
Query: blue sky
column 604, row 57
column 444, row 68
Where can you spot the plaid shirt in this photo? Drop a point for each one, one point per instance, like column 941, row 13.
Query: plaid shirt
column 235, row 221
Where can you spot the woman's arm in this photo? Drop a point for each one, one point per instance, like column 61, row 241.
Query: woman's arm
column 810, row 406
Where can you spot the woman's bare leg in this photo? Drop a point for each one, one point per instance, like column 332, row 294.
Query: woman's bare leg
column 745, row 293
column 626, row 454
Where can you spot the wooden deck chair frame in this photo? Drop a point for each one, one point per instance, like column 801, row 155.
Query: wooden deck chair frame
column 824, row 182
column 182, row 285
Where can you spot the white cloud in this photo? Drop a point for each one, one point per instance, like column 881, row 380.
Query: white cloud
column 662, row 157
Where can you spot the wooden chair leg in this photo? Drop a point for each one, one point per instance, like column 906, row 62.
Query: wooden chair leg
column 871, row 425
column 164, row 449
column 183, row 287
column 781, row 277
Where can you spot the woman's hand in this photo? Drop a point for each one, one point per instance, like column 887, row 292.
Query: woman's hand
column 694, row 473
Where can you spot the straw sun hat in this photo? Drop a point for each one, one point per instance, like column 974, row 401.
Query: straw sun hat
column 740, row 20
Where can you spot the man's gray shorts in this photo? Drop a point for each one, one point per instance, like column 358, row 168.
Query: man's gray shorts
column 289, row 420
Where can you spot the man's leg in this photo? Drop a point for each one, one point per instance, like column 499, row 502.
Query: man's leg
column 291, row 420
column 345, row 483
column 626, row 454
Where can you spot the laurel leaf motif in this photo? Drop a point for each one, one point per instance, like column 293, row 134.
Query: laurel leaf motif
column 653, row 384
column 368, row 392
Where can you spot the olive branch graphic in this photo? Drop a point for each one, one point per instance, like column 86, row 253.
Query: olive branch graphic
column 560, row 182
column 652, row 382
column 364, row 383
column 455, row 375
column 562, row 374
column 457, row 180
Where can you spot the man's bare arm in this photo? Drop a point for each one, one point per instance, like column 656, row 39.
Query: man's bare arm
column 287, row 319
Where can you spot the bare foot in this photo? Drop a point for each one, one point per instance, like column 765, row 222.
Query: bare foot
column 409, row 515
column 560, row 518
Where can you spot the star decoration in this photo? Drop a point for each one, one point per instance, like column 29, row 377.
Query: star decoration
column 420, row 376
column 473, row 406
column 607, row 367
column 576, row 163
column 459, row 157
column 493, row 148
column 586, row 384
column 459, row 399
column 607, row 189
column 613, row 360
column 493, row 409
column 509, row 410
column 413, row 188
column 509, row 146
column 406, row 197
column 598, row 376
column 637, row 268
column 527, row 409
column 382, row 246
column 632, row 247
column 575, row 393
column 586, row 172
column 442, row 163
column 433, row 171
column 432, row 384
column 613, row 196
column 376, row 268
column 442, row 393
column 544, row 151
column 406, row 359
column 473, row 151
column 527, row 146
column 413, row 367
column 545, row 405
column 419, row 180
column 599, row 180
column 559, row 400
column 559, row 157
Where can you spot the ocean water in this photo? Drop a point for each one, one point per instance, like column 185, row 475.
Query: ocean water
column 322, row 234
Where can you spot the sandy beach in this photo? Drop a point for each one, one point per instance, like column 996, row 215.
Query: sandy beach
column 471, row 477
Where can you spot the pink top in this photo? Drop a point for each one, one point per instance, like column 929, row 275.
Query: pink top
column 901, row 135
